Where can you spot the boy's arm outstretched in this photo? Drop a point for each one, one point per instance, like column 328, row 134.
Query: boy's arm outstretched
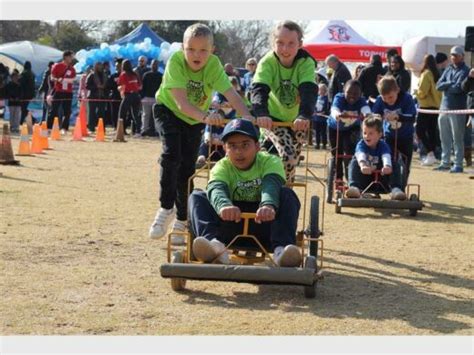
column 237, row 103
column 181, row 99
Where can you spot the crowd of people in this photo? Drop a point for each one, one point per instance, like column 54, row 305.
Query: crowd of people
column 370, row 118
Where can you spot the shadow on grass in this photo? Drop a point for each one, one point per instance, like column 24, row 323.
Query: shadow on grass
column 377, row 293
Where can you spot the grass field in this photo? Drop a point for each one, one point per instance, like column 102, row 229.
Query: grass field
column 75, row 257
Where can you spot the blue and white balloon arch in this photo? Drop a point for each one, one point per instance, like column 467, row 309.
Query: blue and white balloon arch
column 131, row 51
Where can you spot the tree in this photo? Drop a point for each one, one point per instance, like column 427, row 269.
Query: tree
column 11, row 31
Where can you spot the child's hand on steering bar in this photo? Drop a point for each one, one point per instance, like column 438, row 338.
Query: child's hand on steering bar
column 264, row 122
column 300, row 124
column 230, row 213
column 265, row 214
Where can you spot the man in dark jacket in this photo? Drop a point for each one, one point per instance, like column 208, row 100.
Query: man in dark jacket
column 151, row 83
column 45, row 88
column 27, row 85
column 468, row 88
column 113, row 93
column 369, row 77
column 339, row 77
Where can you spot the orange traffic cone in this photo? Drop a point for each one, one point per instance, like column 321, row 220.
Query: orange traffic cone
column 55, row 133
column 77, row 134
column 24, row 148
column 36, row 147
column 44, row 136
column 100, row 136
column 83, row 118
column 29, row 123
column 120, row 136
column 6, row 151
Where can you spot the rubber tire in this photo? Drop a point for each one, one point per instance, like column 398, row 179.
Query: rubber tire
column 330, row 173
column 413, row 212
column 310, row 263
column 314, row 230
column 177, row 284
column 338, row 208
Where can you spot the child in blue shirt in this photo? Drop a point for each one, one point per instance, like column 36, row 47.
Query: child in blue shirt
column 319, row 118
column 372, row 153
column 398, row 111
column 349, row 103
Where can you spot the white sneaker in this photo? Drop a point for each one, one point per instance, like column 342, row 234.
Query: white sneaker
column 178, row 226
column 398, row 194
column 207, row 251
column 353, row 192
column 429, row 160
column 161, row 223
column 289, row 256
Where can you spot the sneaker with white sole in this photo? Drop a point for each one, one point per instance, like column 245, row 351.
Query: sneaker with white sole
column 353, row 192
column 161, row 223
column 289, row 256
column 178, row 226
column 398, row 194
column 429, row 160
column 207, row 251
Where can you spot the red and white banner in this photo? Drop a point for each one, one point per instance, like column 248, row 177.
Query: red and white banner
column 348, row 52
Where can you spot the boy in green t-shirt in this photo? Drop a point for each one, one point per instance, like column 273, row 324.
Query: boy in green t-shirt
column 284, row 89
column 184, row 97
column 246, row 180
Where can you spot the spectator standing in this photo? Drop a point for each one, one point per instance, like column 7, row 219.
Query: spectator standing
column 96, row 85
column 63, row 75
column 27, row 84
column 151, row 83
column 114, row 93
column 441, row 62
column 398, row 71
column 369, row 77
column 251, row 66
column 428, row 98
column 339, row 77
column 46, row 87
column 452, row 126
column 468, row 88
column 129, row 86
column 389, row 54
column 142, row 67
column 13, row 94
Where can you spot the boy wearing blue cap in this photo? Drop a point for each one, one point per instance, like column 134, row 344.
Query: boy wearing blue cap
column 246, row 180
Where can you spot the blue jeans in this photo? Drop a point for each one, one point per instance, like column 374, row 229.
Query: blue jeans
column 361, row 181
column 205, row 222
column 451, row 129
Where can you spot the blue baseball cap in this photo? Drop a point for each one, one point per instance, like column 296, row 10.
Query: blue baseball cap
column 240, row 126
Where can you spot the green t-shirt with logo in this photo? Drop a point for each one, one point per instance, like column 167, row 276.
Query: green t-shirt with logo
column 246, row 185
column 284, row 100
column 199, row 85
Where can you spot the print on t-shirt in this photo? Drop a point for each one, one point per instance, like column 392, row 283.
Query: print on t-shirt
column 195, row 91
column 287, row 94
column 248, row 190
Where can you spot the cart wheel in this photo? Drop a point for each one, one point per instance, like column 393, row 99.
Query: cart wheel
column 310, row 263
column 337, row 207
column 330, row 173
column 413, row 212
column 314, row 231
column 177, row 284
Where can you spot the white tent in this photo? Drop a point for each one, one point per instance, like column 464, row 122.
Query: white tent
column 414, row 50
column 14, row 55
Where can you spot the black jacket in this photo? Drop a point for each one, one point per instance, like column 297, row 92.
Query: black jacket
column 92, row 81
column 403, row 78
column 368, row 79
column 27, row 83
column 13, row 93
column 340, row 76
column 151, row 83
column 46, row 83
column 468, row 87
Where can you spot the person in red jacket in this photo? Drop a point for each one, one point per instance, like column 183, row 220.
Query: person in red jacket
column 129, row 85
column 62, row 77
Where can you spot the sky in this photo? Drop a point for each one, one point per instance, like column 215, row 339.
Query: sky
column 384, row 33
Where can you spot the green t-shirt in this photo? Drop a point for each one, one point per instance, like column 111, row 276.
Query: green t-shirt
column 246, row 185
column 284, row 100
column 199, row 85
